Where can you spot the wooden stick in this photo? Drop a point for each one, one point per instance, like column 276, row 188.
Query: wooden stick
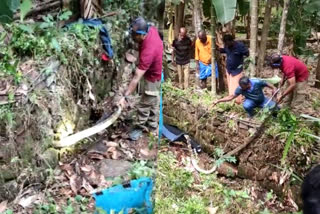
column 249, row 140
column 40, row 8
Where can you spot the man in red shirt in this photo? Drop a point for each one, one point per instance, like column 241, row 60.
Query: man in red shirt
column 296, row 73
column 150, row 68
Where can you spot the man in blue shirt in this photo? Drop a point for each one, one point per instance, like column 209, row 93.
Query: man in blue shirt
column 252, row 90
column 235, row 51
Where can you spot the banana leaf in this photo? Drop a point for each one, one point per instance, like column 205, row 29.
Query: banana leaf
column 273, row 80
column 7, row 9
column 225, row 10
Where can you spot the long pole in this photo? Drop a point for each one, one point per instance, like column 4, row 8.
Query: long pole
column 213, row 48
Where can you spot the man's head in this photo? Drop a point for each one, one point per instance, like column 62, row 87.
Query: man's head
column 310, row 192
column 228, row 40
column 244, row 83
column 275, row 60
column 202, row 36
column 182, row 33
column 139, row 29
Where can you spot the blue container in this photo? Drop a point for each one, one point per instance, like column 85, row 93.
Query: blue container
column 136, row 194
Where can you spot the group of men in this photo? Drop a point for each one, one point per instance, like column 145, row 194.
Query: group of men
column 294, row 72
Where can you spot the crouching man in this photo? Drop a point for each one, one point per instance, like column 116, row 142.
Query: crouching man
column 252, row 90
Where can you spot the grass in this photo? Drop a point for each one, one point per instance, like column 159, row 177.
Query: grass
column 181, row 191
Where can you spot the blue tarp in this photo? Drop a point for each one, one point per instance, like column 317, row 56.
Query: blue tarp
column 122, row 198
column 161, row 113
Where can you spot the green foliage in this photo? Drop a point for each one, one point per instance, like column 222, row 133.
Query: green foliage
column 78, row 204
column 193, row 205
column 141, row 169
column 218, row 153
column 244, row 7
column 7, row 9
column 225, row 10
column 25, row 8
column 288, row 144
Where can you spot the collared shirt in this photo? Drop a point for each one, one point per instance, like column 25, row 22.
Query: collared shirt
column 203, row 51
column 292, row 67
column 182, row 50
column 255, row 92
column 150, row 55
column 235, row 57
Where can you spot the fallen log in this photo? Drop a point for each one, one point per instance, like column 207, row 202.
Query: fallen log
column 40, row 8
column 73, row 139
column 249, row 140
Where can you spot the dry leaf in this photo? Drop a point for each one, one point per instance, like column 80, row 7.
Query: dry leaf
column 274, row 177
column 3, row 206
column 111, row 143
column 130, row 57
column 87, row 186
column 212, row 210
column 284, row 177
column 68, row 169
column 145, row 152
column 75, row 183
column 95, row 156
column 86, row 168
column 28, row 201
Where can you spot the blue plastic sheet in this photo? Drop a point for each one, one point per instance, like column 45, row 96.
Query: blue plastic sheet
column 122, row 198
column 161, row 113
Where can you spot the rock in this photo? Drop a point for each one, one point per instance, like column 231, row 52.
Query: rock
column 50, row 157
column 114, row 168
column 9, row 191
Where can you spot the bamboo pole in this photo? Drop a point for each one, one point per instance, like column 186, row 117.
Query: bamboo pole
column 213, row 48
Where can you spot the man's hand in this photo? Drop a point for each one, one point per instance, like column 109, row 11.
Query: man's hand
column 279, row 99
column 123, row 103
column 174, row 63
column 215, row 103
column 219, row 45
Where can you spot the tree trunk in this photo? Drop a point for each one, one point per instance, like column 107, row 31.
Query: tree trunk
column 248, row 26
column 317, row 85
column 197, row 18
column 282, row 32
column 197, row 23
column 179, row 18
column 264, row 35
column 253, row 35
column 213, row 49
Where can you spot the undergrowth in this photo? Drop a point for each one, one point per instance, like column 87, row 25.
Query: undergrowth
column 180, row 191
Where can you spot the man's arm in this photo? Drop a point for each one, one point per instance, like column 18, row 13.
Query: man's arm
column 244, row 50
column 274, row 89
column 134, row 82
column 283, row 80
column 196, row 57
column 226, row 99
column 173, row 56
column 292, row 85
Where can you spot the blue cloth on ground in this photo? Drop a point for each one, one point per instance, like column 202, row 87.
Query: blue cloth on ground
column 205, row 70
column 136, row 195
column 172, row 133
column 104, row 35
